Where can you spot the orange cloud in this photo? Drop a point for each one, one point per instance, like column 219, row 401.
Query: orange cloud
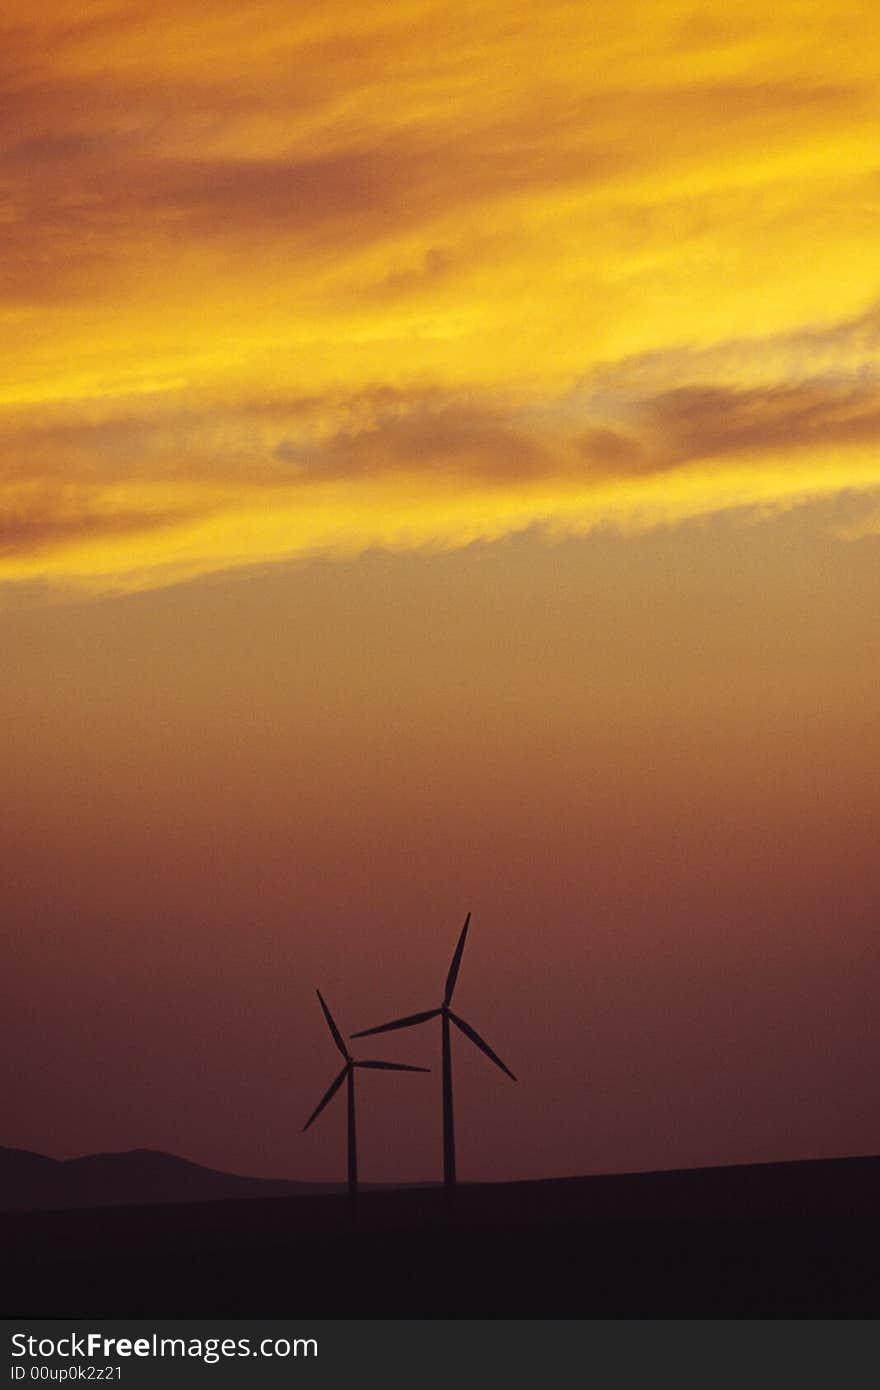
column 415, row 281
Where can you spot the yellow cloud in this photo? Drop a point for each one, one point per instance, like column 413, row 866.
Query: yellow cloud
column 275, row 280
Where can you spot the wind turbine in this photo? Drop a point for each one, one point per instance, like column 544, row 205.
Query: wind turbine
column 446, row 1017
column 347, row 1074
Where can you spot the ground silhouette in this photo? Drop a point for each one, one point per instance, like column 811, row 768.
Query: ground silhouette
column 767, row 1240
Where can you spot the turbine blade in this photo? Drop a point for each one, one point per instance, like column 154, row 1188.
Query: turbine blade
column 399, row 1023
column 390, row 1066
column 456, row 962
column 479, row 1042
column 337, row 1036
column 326, row 1098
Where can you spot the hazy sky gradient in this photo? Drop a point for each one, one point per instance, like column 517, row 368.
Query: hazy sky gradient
column 440, row 471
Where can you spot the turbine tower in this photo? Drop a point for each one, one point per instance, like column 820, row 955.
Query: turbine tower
column 347, row 1074
column 447, row 1017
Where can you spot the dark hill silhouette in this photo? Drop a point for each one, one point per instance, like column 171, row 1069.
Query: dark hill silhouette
column 31, row 1181
column 773, row 1240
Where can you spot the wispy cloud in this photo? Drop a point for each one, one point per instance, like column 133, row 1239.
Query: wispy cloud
column 273, row 281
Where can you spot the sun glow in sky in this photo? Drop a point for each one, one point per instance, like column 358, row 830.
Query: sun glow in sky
column 440, row 471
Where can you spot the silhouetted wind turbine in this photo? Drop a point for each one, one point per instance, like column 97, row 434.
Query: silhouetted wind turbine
column 446, row 1017
column 347, row 1074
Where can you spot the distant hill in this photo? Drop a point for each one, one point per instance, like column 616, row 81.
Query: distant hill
column 148, row 1177
column 139, row 1177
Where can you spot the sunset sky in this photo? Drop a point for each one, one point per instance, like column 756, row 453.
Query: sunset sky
column 440, row 471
